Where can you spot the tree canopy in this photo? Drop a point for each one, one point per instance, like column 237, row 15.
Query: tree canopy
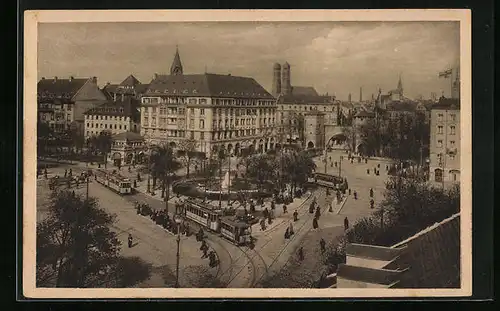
column 77, row 248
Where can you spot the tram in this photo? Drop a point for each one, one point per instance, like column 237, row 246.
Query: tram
column 330, row 181
column 113, row 181
column 237, row 232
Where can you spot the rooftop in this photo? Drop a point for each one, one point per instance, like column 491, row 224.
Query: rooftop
column 127, row 107
column 368, row 275
column 304, row 91
column 208, row 84
column 60, row 87
column 128, row 136
column 447, row 103
column 372, row 252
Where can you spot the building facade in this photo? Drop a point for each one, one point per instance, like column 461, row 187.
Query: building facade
column 62, row 102
column 127, row 148
column 314, row 129
column 444, row 157
column 113, row 117
column 217, row 111
column 294, row 102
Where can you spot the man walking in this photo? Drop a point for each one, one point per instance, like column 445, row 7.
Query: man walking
column 322, row 244
column 346, row 224
column 130, row 240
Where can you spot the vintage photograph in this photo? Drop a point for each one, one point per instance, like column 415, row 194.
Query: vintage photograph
column 247, row 154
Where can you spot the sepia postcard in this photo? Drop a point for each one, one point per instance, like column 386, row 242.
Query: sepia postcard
column 247, row 154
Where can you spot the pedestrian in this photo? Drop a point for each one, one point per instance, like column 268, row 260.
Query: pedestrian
column 263, row 224
column 287, row 234
column 295, row 216
column 77, row 183
column 386, row 168
column 45, row 173
column 372, row 203
column 130, row 240
column 213, row 261
column 378, row 165
column 355, row 195
column 371, row 193
column 301, row 253
column 315, row 223
column 65, row 173
column 368, row 171
column 311, row 208
column 284, row 209
column 322, row 244
column 366, row 160
column 349, row 191
column 335, row 163
column 346, row 224
column 273, row 205
column 265, row 212
column 70, row 173
column 318, row 213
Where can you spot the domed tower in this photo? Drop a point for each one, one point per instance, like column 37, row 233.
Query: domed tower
column 286, row 86
column 276, row 79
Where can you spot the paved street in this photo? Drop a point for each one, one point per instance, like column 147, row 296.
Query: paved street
column 239, row 266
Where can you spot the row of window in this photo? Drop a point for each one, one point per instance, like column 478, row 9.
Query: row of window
column 111, row 118
column 440, row 143
column 56, row 106
column 57, row 117
column 440, row 157
column 452, row 131
column 105, row 126
column 230, row 134
column 311, row 108
column 453, row 117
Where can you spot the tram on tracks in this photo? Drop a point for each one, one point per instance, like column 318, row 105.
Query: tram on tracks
column 329, row 181
column 113, row 181
column 237, row 232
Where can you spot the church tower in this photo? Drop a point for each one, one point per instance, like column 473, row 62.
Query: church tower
column 176, row 68
column 400, row 86
column 276, row 80
column 286, row 86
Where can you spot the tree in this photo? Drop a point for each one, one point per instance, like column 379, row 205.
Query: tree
column 370, row 136
column 75, row 246
column 163, row 166
column 261, row 168
column 298, row 166
column 187, row 152
column 350, row 135
column 76, row 136
column 43, row 133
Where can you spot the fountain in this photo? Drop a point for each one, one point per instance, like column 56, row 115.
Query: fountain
column 226, row 182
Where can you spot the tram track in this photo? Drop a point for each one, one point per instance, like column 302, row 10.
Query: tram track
column 308, row 219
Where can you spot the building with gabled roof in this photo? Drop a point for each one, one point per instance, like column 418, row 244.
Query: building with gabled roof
column 218, row 111
column 130, row 87
column 62, row 102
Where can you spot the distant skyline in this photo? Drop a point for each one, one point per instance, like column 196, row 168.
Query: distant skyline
column 333, row 57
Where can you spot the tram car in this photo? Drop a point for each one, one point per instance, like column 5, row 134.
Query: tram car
column 113, row 181
column 237, row 232
column 330, row 181
column 203, row 215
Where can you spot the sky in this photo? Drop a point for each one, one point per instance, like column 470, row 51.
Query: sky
column 333, row 57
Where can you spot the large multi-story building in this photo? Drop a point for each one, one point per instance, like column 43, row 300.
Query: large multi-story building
column 217, row 111
column 295, row 101
column 62, row 102
column 113, row 118
column 444, row 158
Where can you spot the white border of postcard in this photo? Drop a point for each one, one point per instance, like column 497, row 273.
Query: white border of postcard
column 31, row 20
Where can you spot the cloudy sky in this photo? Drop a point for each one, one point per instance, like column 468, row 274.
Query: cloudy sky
column 334, row 57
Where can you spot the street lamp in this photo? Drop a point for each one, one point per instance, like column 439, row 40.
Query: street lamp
column 178, row 221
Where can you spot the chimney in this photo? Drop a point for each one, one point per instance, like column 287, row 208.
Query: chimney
column 108, row 83
column 55, row 78
column 155, row 76
column 43, row 78
column 71, row 78
column 94, row 80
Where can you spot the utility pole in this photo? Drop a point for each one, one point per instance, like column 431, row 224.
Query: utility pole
column 340, row 166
